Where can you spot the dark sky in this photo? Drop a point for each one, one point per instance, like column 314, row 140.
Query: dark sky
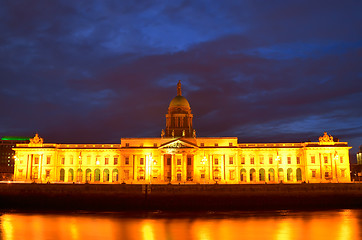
column 263, row 71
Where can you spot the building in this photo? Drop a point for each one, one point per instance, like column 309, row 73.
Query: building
column 7, row 155
column 179, row 156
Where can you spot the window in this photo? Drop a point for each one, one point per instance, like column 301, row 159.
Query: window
column 126, row 161
column 298, row 160
column 231, row 160
column 178, row 161
column 313, row 159
column 115, row 160
column 341, row 159
column 270, row 160
column 71, row 160
column 106, row 161
column 36, row 160
column 261, row 160
column 289, row 160
column 202, row 144
column 48, row 159
column 216, row 144
column 62, row 160
column 126, row 174
column 314, row 173
column 168, row 161
column 232, row 174
column 252, row 160
column 47, row 173
column 155, row 145
column 202, row 175
column 242, row 160
column 216, row 161
column 127, row 144
column 326, row 174
column 325, row 159
column 189, row 162
column 141, row 161
column 20, row 173
column 230, row 144
column 343, row 174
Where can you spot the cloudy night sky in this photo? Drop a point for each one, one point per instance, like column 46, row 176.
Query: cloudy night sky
column 263, row 71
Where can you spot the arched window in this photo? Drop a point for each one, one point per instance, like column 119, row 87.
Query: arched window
column 97, row 175
column 79, row 175
column 115, row 175
column 106, row 175
column 243, row 175
column 252, row 175
column 299, row 174
column 88, row 174
column 70, row 175
column 271, row 174
column 62, row 175
column 289, row 174
column 262, row 175
column 280, row 174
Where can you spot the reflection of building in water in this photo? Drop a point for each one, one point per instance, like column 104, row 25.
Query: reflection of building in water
column 178, row 156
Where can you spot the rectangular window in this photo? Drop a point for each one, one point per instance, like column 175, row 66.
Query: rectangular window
column 141, row 161
column 230, row 144
column 326, row 174
column 155, row 145
column 314, row 173
column 127, row 144
column 231, row 160
column 168, row 175
column 62, row 160
column 178, row 161
column 289, row 160
column 312, row 159
column 232, row 174
column 202, row 175
column 242, row 160
column 325, row 159
column 47, row 173
column 261, row 160
column 189, row 162
column 71, row 159
column 48, row 159
column 126, row 174
column 216, row 161
column 202, row 144
column 126, row 161
column 270, row 160
column 343, row 172
column 36, row 160
column 168, row 161
column 252, row 160
column 216, row 144
column 341, row 159
column 106, row 161
column 115, row 160
column 298, row 160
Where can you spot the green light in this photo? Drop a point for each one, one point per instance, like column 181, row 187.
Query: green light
column 11, row 138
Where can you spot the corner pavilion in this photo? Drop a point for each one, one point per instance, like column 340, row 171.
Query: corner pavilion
column 179, row 156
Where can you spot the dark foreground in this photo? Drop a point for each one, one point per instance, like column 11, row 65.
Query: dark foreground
column 123, row 197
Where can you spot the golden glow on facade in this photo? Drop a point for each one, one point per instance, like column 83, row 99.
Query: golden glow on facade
column 178, row 156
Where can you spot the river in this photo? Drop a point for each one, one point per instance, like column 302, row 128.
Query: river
column 278, row 225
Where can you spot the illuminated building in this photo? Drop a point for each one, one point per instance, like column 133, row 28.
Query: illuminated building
column 179, row 156
column 7, row 155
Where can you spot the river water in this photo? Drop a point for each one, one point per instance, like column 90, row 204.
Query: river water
column 278, row 225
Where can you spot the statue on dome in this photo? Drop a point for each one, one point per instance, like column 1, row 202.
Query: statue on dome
column 173, row 133
column 194, row 133
column 325, row 138
column 179, row 88
column 36, row 139
column 162, row 133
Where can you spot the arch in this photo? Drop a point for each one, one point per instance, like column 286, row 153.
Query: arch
column 252, row 175
column 290, row 174
column 79, row 175
column 115, row 175
column 299, row 174
column 97, row 175
column 216, row 175
column 62, row 175
column 262, row 175
column 70, row 175
column 88, row 174
column 105, row 175
column 243, row 175
column 271, row 174
column 281, row 174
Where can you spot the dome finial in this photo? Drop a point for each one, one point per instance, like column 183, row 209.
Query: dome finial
column 179, row 88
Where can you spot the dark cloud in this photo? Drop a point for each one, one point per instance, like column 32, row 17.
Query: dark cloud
column 91, row 71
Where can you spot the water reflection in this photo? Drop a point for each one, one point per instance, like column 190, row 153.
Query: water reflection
column 343, row 224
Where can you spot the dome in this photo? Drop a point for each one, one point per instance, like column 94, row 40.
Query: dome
column 179, row 101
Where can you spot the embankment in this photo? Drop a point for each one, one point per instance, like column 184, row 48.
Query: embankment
column 123, row 197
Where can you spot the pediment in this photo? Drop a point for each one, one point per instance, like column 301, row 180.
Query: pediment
column 178, row 143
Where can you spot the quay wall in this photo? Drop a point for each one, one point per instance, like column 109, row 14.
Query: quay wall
column 124, row 197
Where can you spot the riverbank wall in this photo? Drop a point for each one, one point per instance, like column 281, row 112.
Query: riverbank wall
column 198, row 197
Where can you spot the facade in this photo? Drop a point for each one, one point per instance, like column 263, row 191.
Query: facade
column 7, row 155
column 179, row 156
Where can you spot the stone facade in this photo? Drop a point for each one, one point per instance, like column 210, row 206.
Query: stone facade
column 178, row 156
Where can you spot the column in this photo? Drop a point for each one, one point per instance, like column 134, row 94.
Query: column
column 163, row 177
column 173, row 164
column 184, row 167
